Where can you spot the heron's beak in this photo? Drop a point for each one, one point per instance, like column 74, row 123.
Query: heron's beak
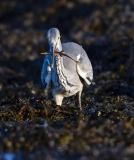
column 52, row 49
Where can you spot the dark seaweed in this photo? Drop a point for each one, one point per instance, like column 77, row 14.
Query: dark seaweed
column 32, row 127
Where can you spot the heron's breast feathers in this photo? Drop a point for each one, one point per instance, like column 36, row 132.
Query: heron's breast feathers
column 62, row 78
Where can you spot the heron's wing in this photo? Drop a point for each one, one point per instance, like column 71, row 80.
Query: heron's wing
column 44, row 71
column 84, row 67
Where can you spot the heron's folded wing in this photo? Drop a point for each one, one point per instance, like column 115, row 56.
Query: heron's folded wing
column 84, row 67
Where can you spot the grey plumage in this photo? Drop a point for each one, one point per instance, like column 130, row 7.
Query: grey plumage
column 63, row 72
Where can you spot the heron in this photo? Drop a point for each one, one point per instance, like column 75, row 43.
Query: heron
column 63, row 66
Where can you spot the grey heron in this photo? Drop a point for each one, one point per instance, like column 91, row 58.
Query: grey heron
column 63, row 66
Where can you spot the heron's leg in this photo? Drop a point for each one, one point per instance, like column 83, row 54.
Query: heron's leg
column 58, row 99
column 79, row 99
column 57, row 96
column 46, row 92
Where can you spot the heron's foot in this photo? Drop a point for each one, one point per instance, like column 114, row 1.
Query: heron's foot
column 81, row 111
column 81, row 108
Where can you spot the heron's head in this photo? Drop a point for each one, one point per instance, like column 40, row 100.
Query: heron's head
column 53, row 36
